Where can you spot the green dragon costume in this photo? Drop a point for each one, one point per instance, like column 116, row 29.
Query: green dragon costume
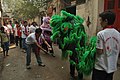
column 69, row 32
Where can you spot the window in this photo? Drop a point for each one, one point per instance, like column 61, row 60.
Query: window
column 80, row 1
column 111, row 4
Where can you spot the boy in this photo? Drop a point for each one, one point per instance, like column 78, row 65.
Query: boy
column 4, row 41
column 108, row 48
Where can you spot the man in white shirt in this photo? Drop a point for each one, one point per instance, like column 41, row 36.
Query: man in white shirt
column 6, row 28
column 16, row 28
column 33, row 27
column 108, row 48
column 25, row 33
column 33, row 42
column 11, row 32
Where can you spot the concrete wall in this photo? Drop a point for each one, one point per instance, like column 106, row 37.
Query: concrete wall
column 58, row 6
column 90, row 8
column 37, row 20
column 100, row 9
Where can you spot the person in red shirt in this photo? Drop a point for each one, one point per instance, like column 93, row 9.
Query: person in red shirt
column 16, row 32
column 19, row 35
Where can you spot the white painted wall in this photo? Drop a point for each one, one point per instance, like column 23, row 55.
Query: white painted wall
column 100, row 10
column 37, row 20
column 91, row 8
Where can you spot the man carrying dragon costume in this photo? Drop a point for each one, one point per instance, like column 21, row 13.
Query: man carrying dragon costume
column 72, row 40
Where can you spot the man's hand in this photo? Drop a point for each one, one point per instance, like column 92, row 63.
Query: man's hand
column 26, row 33
column 49, row 48
column 44, row 51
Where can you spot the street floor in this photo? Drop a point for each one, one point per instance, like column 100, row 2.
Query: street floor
column 56, row 69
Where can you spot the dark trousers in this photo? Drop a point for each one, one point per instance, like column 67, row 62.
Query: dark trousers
column 101, row 75
column 28, row 52
column 16, row 40
column 5, row 47
column 20, row 42
column 72, row 69
column 11, row 38
column 23, row 44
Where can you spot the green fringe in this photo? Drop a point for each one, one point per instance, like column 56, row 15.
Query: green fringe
column 68, row 30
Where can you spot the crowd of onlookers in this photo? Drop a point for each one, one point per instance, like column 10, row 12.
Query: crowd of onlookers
column 17, row 32
column 29, row 37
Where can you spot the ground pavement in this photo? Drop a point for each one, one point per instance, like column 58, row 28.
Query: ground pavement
column 55, row 69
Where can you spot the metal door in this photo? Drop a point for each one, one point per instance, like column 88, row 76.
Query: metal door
column 114, row 5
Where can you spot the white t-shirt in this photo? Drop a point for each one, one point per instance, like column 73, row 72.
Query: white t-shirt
column 23, row 29
column 10, row 28
column 109, row 41
column 32, row 29
column 6, row 29
column 15, row 29
column 31, row 39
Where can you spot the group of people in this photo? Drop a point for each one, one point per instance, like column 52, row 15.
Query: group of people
column 32, row 38
column 7, row 36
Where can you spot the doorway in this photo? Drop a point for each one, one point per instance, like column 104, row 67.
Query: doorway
column 114, row 5
column 71, row 10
